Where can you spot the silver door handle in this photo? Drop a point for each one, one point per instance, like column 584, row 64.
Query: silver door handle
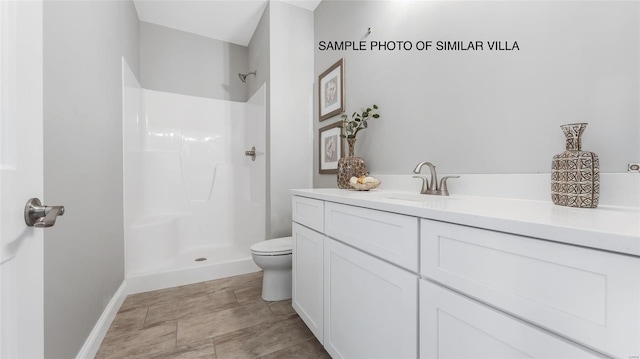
column 39, row 216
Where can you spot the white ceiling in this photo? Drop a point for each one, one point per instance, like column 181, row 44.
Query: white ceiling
column 227, row 20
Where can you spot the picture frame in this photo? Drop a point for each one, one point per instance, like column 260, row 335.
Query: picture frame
column 330, row 148
column 331, row 91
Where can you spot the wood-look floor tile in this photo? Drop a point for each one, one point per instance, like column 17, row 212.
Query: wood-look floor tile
column 190, row 308
column 139, row 343
column 163, row 296
column 233, row 283
column 261, row 339
column 200, row 350
column 249, row 294
column 282, row 308
column 127, row 321
column 221, row 322
column 310, row 349
column 225, row 318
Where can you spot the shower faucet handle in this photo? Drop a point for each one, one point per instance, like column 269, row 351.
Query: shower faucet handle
column 251, row 153
column 243, row 77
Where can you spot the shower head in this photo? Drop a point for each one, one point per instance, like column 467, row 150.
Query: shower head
column 243, row 77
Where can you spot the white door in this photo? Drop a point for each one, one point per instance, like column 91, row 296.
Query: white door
column 21, row 177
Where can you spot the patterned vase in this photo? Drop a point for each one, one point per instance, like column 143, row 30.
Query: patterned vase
column 575, row 174
column 350, row 166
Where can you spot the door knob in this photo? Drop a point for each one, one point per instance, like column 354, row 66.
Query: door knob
column 37, row 215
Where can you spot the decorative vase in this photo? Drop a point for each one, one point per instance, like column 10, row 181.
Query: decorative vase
column 350, row 166
column 575, row 174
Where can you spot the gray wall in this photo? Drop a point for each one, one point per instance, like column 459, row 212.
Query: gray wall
column 487, row 112
column 259, row 61
column 189, row 64
column 291, row 115
column 281, row 50
column 84, row 252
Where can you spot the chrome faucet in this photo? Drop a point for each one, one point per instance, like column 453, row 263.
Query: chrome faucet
column 431, row 186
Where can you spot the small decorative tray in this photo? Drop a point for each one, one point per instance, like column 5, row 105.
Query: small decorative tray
column 365, row 186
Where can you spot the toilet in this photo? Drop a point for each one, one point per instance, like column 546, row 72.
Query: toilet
column 274, row 257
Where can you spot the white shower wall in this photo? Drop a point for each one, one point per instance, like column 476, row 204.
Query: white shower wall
column 189, row 190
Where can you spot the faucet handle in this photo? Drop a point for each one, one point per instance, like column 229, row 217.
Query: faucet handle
column 443, row 185
column 425, row 183
column 423, row 178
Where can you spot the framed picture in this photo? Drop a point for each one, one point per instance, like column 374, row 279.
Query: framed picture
column 331, row 91
column 330, row 147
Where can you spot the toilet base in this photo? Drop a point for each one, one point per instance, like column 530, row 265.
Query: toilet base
column 276, row 284
column 274, row 256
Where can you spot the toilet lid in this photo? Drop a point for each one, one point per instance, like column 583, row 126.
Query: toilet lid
column 274, row 246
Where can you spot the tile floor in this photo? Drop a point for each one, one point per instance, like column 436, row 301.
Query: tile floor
column 220, row 319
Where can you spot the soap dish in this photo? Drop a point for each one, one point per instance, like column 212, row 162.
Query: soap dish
column 365, row 186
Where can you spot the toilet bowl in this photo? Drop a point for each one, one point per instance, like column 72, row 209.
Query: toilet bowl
column 274, row 257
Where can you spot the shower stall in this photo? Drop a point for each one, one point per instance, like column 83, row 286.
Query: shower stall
column 193, row 201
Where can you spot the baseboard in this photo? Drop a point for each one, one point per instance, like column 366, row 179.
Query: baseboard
column 92, row 344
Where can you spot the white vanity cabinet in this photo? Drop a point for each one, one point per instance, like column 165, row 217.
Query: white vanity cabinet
column 307, row 264
column 365, row 286
column 378, row 278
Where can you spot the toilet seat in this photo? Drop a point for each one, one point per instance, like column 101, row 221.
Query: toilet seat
column 273, row 247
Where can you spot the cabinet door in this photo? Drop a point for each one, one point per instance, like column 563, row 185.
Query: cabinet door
column 587, row 295
column 308, row 277
column 370, row 306
column 455, row 326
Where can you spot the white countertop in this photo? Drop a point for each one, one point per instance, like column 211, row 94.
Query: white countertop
column 609, row 228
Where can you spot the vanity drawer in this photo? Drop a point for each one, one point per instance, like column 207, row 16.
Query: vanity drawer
column 390, row 236
column 589, row 296
column 308, row 212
